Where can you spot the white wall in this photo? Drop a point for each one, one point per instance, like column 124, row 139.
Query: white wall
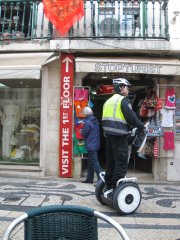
column 50, row 119
column 174, row 21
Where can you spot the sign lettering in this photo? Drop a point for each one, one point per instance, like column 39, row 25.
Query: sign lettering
column 128, row 68
column 66, row 115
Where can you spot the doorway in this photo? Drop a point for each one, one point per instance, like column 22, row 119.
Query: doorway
column 140, row 84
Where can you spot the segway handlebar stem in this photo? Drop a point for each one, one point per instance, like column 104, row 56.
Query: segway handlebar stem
column 101, row 175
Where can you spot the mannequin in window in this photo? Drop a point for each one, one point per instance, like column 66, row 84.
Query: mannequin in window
column 10, row 123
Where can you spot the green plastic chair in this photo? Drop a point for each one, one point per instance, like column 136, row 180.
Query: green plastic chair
column 61, row 222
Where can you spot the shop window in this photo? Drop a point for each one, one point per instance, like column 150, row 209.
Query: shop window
column 19, row 125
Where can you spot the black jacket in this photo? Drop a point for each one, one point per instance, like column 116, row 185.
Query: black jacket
column 130, row 116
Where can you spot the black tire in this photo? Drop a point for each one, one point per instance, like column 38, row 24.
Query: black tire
column 99, row 190
column 127, row 198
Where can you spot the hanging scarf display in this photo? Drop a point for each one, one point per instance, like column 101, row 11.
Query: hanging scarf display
column 63, row 13
column 78, row 129
column 81, row 94
column 154, row 128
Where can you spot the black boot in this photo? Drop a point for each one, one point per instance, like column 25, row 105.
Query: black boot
column 86, row 181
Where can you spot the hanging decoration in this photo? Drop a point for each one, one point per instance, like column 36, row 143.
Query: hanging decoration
column 63, row 13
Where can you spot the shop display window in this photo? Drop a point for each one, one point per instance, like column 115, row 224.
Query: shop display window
column 20, row 125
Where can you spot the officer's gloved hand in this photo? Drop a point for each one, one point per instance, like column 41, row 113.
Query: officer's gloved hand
column 146, row 126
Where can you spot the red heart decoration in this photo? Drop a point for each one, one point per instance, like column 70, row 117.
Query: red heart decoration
column 63, row 13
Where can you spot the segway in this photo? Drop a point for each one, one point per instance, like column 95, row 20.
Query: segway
column 126, row 197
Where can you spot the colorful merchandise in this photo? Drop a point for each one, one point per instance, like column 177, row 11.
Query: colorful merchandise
column 146, row 112
column 105, row 89
column 150, row 105
column 79, row 106
column 156, row 148
column 154, row 129
column 81, row 94
column 78, row 146
column 78, row 129
column 151, row 100
column 167, row 117
column 170, row 101
column 158, row 104
column 169, row 141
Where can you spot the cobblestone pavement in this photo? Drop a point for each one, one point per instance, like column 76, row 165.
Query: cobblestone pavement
column 158, row 216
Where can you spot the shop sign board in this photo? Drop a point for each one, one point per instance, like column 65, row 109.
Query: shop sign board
column 129, row 65
column 66, row 115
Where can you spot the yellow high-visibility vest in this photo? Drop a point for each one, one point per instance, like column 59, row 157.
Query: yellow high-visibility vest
column 112, row 109
column 113, row 119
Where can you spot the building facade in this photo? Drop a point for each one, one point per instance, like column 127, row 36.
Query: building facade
column 138, row 40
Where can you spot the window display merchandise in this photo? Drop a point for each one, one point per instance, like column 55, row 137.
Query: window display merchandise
column 10, row 122
column 19, row 126
column 81, row 100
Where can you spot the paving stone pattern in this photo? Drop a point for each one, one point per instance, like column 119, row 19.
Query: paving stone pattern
column 157, row 218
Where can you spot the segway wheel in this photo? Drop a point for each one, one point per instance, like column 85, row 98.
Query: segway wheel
column 99, row 190
column 127, row 198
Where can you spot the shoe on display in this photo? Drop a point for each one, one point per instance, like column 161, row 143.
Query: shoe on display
column 86, row 181
column 108, row 193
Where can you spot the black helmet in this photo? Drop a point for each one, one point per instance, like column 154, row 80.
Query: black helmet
column 121, row 81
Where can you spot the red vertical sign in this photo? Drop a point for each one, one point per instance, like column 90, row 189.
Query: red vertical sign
column 66, row 115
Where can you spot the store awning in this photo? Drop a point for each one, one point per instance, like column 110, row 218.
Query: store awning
column 22, row 65
column 158, row 66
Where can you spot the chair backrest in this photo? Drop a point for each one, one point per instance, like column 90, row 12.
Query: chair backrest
column 61, row 222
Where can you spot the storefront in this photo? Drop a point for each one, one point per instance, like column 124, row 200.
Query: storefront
column 20, row 109
column 146, row 75
column 34, row 92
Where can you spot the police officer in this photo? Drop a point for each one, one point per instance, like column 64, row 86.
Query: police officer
column 117, row 120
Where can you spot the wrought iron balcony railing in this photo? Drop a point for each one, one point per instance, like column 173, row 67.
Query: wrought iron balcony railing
column 121, row 19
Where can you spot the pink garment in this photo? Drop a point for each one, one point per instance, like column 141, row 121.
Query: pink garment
column 170, row 101
column 169, row 141
column 81, row 94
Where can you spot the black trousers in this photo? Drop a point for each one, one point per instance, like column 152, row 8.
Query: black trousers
column 116, row 159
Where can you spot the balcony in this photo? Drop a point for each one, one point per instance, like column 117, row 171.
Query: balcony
column 113, row 19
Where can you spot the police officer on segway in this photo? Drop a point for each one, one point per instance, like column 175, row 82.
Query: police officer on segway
column 117, row 121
